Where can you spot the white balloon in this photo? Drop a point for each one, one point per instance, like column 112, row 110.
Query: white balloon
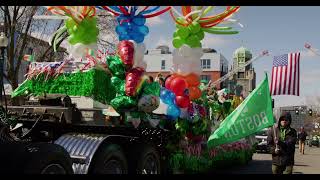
column 80, row 50
column 139, row 50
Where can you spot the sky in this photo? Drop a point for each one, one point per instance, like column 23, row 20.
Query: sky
column 278, row 29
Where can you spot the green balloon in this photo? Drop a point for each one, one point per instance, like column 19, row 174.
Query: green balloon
column 177, row 42
column 123, row 102
column 175, row 34
column 181, row 20
column 193, row 41
column 200, row 35
column 119, row 85
column 116, row 66
column 86, row 32
column 151, row 89
column 194, row 27
column 183, row 32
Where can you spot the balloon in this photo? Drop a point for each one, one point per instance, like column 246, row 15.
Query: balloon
column 143, row 30
column 194, row 93
column 162, row 108
column 168, row 82
column 182, row 101
column 123, row 102
column 183, row 32
column 86, row 32
column 167, row 96
column 140, row 20
column 133, row 80
column 152, row 89
column 119, row 85
column 148, row 103
column 200, row 34
column 192, row 79
column 177, row 42
column 194, row 27
column 173, row 112
column 116, row 66
column 126, row 52
column 178, row 86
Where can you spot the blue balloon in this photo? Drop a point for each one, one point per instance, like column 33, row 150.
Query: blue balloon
column 139, row 20
column 163, row 93
column 124, row 37
column 173, row 112
column 121, row 30
column 122, row 18
column 143, row 30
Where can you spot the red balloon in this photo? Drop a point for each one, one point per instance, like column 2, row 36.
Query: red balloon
column 168, row 82
column 178, row 86
column 194, row 93
column 133, row 79
column 182, row 101
column 126, row 53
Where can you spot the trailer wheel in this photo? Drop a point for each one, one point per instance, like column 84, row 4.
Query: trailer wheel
column 149, row 161
column 110, row 160
column 45, row 158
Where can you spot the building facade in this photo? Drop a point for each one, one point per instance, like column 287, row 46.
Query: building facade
column 214, row 65
column 244, row 80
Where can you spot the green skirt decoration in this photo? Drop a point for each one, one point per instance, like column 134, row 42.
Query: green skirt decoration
column 95, row 83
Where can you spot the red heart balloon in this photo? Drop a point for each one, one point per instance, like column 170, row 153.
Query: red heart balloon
column 178, row 86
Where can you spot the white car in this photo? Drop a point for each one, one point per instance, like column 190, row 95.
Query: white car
column 261, row 137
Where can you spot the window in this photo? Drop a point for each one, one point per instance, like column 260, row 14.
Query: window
column 241, row 75
column 163, row 64
column 205, row 77
column 30, row 51
column 205, row 63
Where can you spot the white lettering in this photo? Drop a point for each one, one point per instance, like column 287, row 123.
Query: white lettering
column 264, row 117
column 241, row 125
column 256, row 119
column 249, row 123
column 234, row 130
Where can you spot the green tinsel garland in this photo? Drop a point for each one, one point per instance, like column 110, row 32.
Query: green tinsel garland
column 94, row 83
column 203, row 163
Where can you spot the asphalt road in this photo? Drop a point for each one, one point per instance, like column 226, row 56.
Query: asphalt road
column 309, row 163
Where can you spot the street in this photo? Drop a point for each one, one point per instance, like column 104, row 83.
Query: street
column 309, row 163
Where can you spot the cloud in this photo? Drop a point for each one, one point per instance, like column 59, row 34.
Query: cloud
column 155, row 21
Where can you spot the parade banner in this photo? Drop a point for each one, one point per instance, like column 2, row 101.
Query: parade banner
column 252, row 115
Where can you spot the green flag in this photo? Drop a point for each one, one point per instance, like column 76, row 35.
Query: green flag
column 252, row 115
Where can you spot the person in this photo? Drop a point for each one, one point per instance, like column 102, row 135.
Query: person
column 161, row 82
column 281, row 140
column 159, row 75
column 302, row 135
column 150, row 80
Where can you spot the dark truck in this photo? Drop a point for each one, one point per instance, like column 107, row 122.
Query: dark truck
column 53, row 137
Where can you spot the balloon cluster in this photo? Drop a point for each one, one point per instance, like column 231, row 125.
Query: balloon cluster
column 81, row 27
column 192, row 24
column 131, row 20
column 168, row 98
column 190, row 35
column 132, row 28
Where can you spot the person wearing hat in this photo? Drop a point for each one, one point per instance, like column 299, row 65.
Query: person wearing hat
column 281, row 140
column 302, row 135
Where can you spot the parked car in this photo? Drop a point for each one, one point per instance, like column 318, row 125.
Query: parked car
column 262, row 141
column 314, row 141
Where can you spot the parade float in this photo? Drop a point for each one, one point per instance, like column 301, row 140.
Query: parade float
column 186, row 110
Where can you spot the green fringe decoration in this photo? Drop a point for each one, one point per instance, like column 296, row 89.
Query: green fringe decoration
column 194, row 164
column 94, row 83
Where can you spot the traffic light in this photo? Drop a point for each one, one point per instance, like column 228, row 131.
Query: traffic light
column 310, row 112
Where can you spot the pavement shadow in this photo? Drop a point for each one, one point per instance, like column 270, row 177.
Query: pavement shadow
column 301, row 165
column 297, row 173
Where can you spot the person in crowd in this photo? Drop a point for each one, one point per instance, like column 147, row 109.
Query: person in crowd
column 302, row 135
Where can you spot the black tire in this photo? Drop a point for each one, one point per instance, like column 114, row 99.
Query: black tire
column 34, row 158
column 47, row 158
column 109, row 160
column 148, row 161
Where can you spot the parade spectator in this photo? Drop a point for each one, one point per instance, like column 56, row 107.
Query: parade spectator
column 302, row 135
column 161, row 82
column 159, row 75
column 281, row 140
column 150, row 80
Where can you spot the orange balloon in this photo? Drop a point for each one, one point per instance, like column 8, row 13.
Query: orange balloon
column 192, row 79
column 194, row 93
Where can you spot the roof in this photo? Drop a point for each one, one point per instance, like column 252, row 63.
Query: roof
column 242, row 50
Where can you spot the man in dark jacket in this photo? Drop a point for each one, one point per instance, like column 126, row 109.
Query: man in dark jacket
column 302, row 135
column 282, row 140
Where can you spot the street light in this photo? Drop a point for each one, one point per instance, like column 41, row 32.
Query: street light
column 3, row 46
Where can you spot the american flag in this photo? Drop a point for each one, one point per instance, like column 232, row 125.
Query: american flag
column 285, row 78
